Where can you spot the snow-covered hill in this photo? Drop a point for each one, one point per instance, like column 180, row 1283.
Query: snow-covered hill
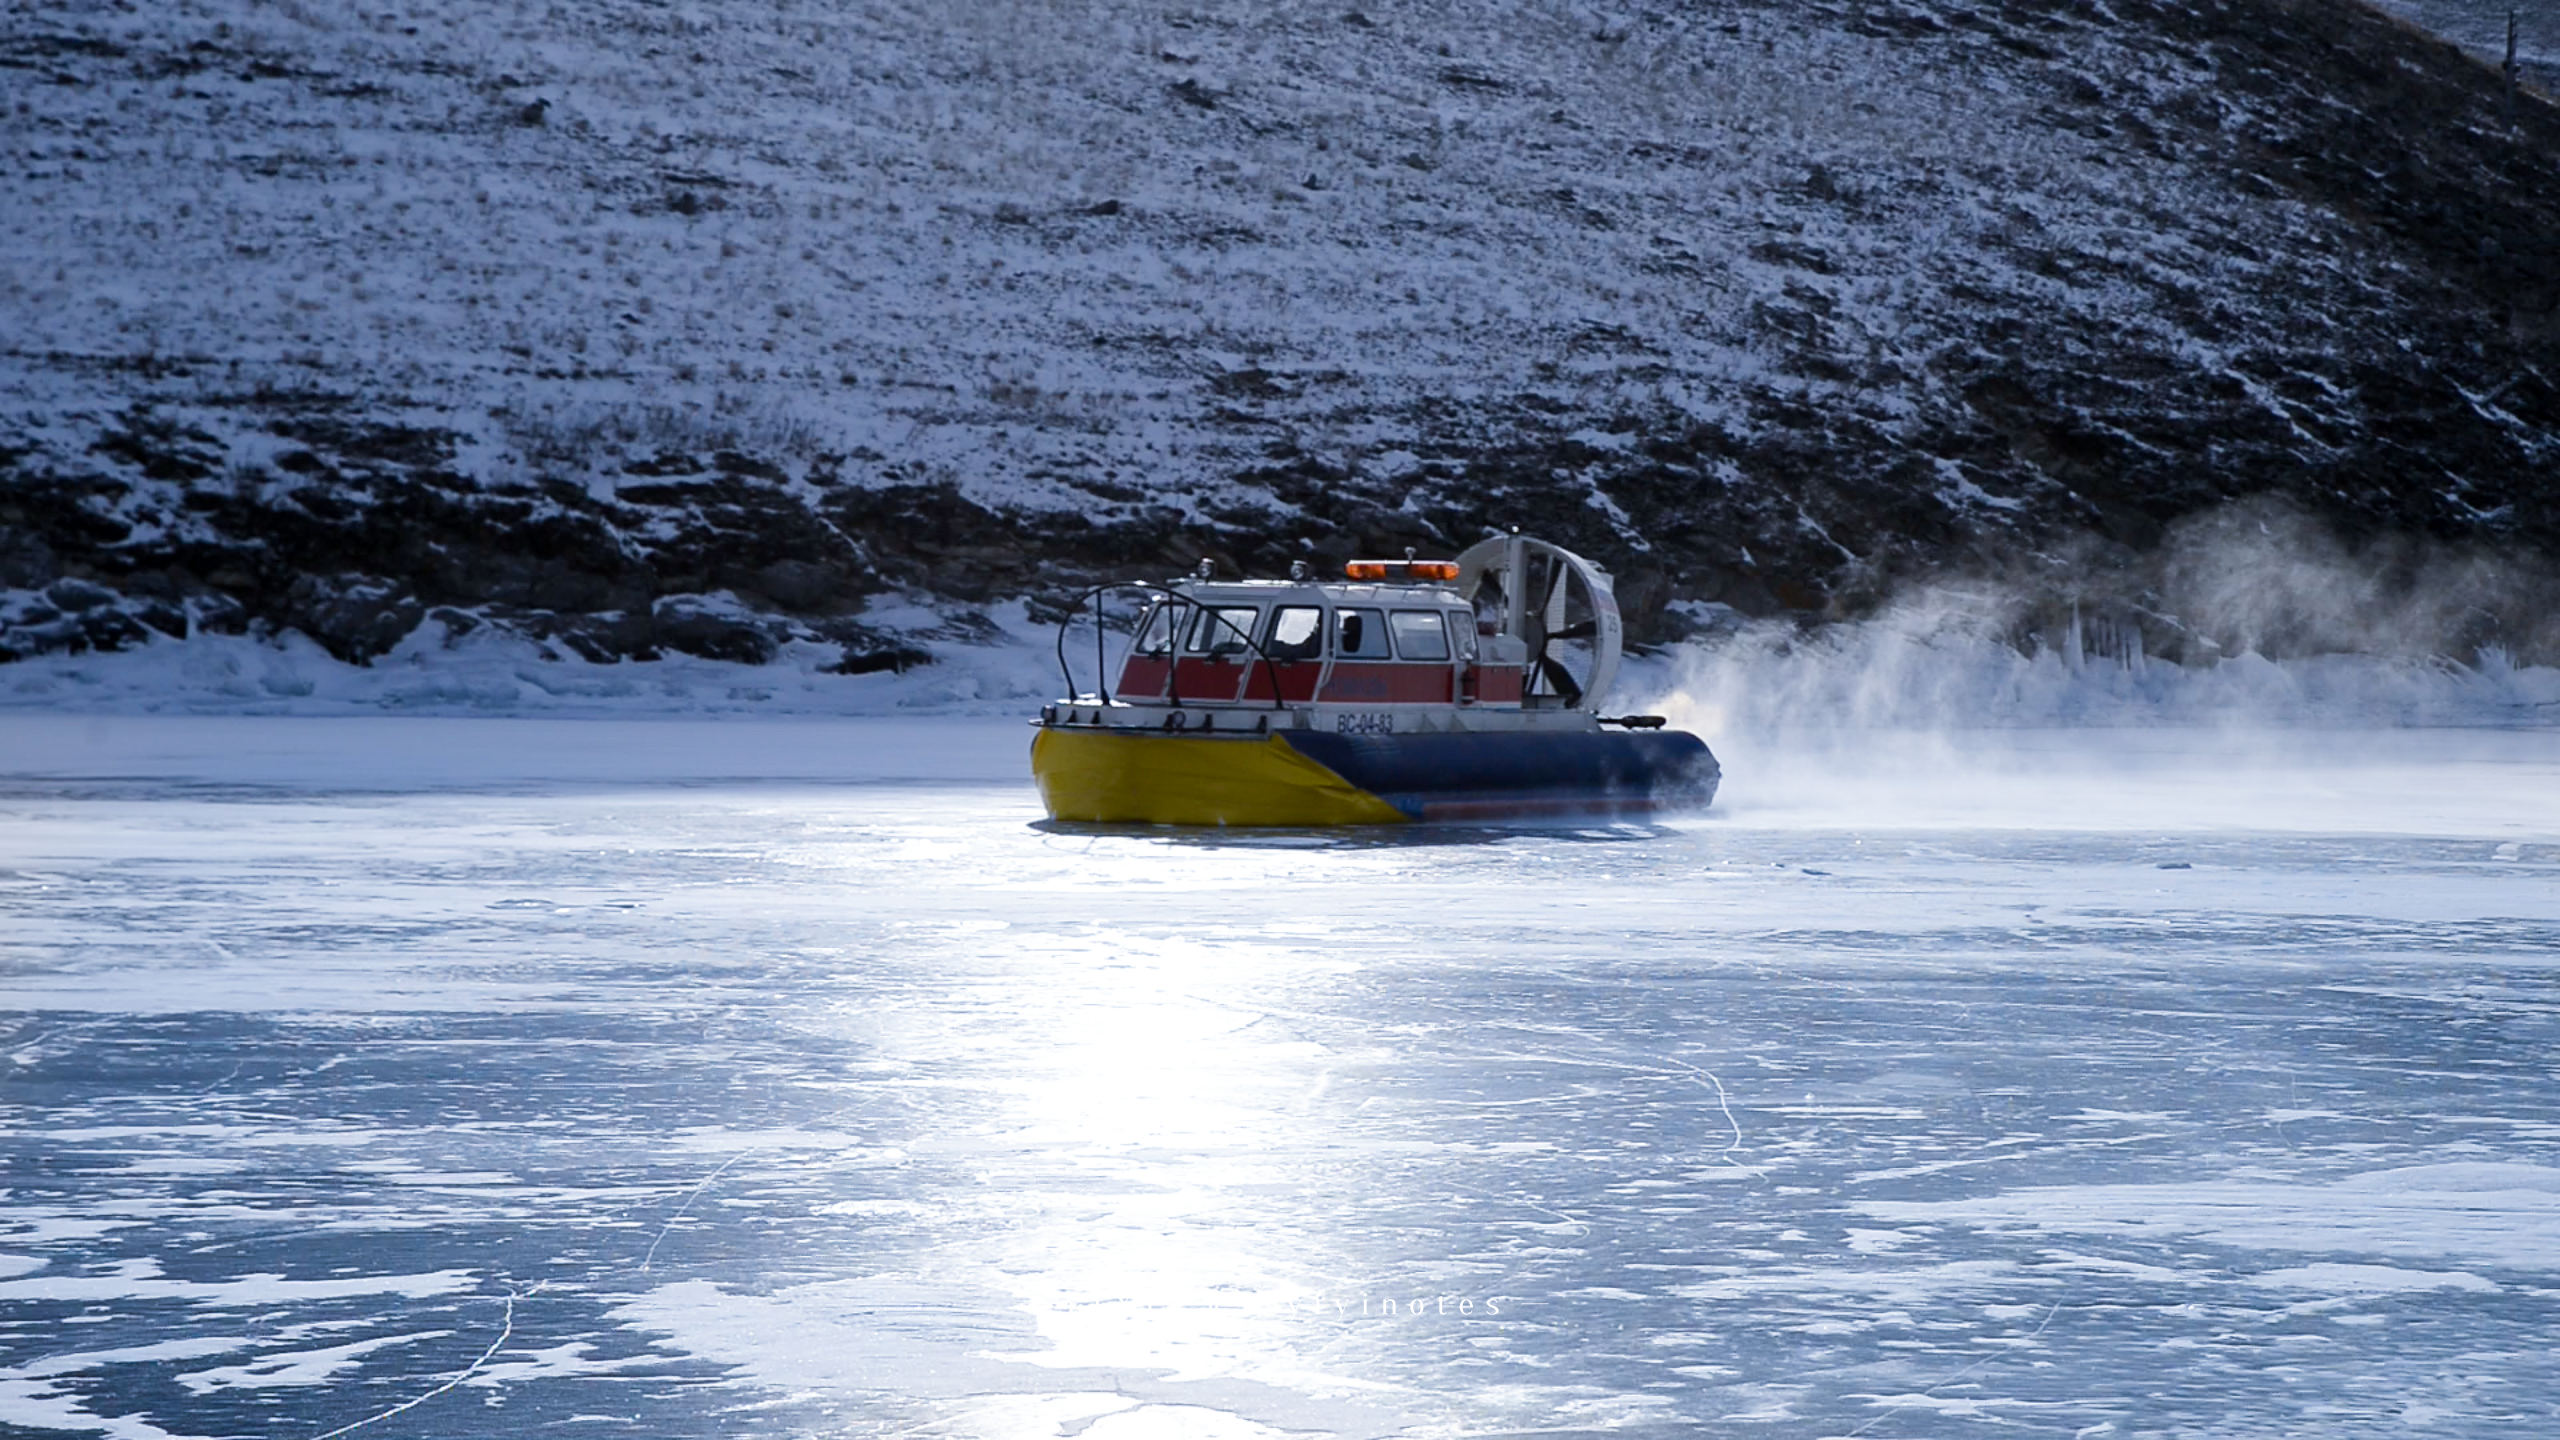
column 634, row 328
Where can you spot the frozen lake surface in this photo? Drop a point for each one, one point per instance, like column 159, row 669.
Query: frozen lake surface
column 787, row 1078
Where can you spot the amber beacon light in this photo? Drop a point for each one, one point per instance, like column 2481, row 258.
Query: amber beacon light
column 1400, row 569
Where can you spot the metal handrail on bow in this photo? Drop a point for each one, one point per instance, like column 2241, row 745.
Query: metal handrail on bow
column 1173, row 643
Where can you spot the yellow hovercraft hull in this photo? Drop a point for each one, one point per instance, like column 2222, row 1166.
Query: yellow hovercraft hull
column 1123, row 777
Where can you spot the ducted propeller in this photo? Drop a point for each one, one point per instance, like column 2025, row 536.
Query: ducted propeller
column 1561, row 598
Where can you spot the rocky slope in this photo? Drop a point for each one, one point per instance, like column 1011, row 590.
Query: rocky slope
column 635, row 328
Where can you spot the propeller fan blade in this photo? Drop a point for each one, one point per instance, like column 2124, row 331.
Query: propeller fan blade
column 1561, row 680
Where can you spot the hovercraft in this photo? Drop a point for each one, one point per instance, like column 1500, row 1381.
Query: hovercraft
column 1409, row 690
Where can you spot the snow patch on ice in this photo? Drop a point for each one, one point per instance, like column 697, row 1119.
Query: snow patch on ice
column 874, row 1334
column 2339, row 1279
column 31, row 1396
column 1178, row 1422
column 2506, row 1214
column 143, row 1281
column 296, row 1367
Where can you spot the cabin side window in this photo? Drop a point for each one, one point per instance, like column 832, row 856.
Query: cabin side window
column 1224, row 630
column 1297, row 633
column 1360, row 634
column 1462, row 627
column 1419, row 636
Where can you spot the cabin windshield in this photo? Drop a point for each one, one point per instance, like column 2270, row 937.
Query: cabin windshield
column 1155, row 635
column 1224, row 630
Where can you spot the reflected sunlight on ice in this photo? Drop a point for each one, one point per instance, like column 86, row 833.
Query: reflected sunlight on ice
column 2104, row 1084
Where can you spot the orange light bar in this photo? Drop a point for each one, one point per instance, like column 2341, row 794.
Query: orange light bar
column 1401, row 569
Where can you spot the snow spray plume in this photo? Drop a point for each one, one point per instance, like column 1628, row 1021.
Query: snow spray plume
column 2261, row 576
column 2253, row 614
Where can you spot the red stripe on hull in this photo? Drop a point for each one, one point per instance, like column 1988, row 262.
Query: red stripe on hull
column 1142, row 675
column 1297, row 680
column 1388, row 684
column 1210, row 682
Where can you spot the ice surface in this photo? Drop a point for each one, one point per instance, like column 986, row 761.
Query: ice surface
column 788, row 1077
